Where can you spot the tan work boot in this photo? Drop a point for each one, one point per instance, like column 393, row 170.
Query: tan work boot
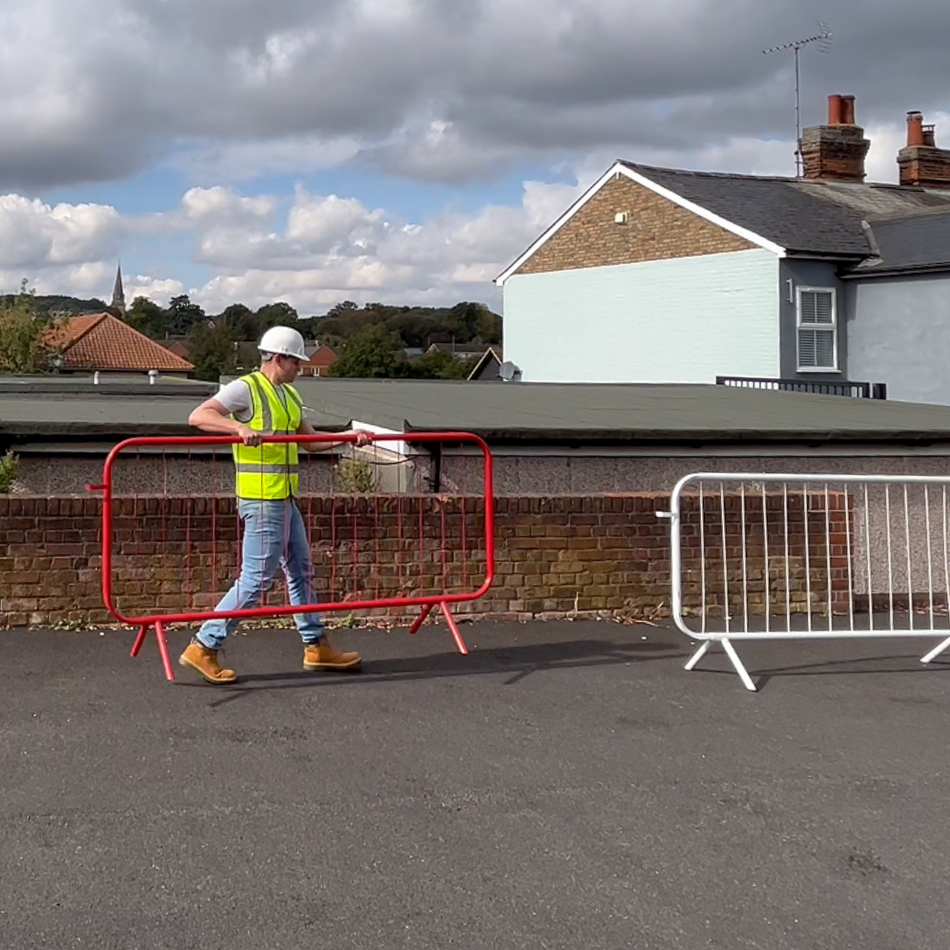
column 205, row 661
column 322, row 656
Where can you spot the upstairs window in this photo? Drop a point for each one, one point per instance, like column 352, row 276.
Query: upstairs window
column 817, row 330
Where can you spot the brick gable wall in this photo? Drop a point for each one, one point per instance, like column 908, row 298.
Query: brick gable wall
column 656, row 229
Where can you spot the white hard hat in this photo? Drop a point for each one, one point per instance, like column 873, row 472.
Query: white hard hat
column 284, row 340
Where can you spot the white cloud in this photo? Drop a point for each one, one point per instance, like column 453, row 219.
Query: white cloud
column 35, row 234
column 435, row 90
column 161, row 290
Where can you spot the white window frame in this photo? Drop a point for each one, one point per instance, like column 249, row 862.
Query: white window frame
column 833, row 327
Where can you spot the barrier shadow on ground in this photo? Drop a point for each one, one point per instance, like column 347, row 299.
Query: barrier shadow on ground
column 855, row 666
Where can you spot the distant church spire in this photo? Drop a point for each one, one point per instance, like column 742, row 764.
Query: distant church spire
column 118, row 294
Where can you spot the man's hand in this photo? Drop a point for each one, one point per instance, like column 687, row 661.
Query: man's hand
column 362, row 436
column 250, row 436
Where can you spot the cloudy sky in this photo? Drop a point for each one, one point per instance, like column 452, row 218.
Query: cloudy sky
column 401, row 151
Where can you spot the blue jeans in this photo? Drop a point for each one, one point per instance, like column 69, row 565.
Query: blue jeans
column 274, row 536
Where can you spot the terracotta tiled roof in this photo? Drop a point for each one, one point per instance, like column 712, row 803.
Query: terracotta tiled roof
column 101, row 341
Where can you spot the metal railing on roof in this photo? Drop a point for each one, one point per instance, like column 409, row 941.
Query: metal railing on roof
column 856, row 390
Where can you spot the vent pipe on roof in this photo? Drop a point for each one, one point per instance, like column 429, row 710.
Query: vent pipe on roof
column 95, row 378
column 152, row 377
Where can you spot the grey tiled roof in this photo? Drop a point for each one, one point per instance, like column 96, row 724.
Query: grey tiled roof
column 811, row 217
column 910, row 243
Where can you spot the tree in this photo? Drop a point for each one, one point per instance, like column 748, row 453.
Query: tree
column 27, row 340
column 147, row 317
column 182, row 315
column 371, row 353
column 241, row 322
column 439, row 365
column 278, row 314
column 211, row 349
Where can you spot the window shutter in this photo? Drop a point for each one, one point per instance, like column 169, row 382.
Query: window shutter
column 816, row 329
column 817, row 308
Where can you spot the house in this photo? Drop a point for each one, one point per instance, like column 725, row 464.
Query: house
column 682, row 277
column 461, row 351
column 100, row 342
column 319, row 360
column 486, row 369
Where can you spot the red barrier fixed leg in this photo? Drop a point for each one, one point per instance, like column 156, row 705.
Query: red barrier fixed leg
column 162, row 647
column 449, row 619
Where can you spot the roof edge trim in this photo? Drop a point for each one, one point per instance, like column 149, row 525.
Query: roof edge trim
column 702, row 212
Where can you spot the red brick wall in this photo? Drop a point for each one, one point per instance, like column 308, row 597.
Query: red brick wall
column 604, row 555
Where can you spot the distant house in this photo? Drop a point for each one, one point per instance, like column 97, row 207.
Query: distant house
column 178, row 347
column 682, row 277
column 461, row 351
column 319, row 360
column 486, row 369
column 100, row 342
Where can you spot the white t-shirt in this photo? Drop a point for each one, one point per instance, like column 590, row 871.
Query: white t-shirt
column 236, row 398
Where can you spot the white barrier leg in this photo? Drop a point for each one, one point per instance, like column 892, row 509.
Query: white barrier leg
column 730, row 652
column 737, row 663
column 698, row 655
column 936, row 651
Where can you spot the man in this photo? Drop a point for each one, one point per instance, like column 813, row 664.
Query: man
column 266, row 478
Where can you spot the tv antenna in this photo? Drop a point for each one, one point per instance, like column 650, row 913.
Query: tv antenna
column 823, row 38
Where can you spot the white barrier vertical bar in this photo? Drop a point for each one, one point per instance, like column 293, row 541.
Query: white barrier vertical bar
column 828, row 551
column 725, row 552
column 849, row 547
column 890, row 559
column 910, row 582
column 745, row 582
column 807, row 555
column 788, row 563
column 867, row 555
column 946, row 555
column 702, row 554
column 768, row 563
column 930, row 560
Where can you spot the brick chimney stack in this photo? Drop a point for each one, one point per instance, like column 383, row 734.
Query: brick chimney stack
column 920, row 162
column 836, row 151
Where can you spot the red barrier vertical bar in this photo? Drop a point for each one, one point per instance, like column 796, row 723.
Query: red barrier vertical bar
column 377, row 566
column 444, row 545
column 188, row 504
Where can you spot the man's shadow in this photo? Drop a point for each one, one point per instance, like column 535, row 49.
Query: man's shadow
column 518, row 661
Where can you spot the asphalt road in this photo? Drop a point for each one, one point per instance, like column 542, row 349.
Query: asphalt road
column 565, row 786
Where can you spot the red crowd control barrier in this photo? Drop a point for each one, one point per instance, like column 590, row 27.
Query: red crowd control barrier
column 391, row 528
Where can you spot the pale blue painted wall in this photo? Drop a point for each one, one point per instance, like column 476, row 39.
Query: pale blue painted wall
column 899, row 334
column 678, row 321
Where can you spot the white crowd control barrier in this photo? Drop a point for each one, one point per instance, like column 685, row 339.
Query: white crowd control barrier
column 756, row 556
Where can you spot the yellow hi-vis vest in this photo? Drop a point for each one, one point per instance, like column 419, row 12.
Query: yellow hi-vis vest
column 269, row 471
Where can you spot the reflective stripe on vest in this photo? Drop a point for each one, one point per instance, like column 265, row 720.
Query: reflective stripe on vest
column 269, row 471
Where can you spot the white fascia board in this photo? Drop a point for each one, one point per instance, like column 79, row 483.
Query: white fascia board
column 620, row 169
column 704, row 213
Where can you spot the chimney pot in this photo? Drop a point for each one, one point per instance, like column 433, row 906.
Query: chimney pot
column 847, row 110
column 915, row 129
column 835, row 110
